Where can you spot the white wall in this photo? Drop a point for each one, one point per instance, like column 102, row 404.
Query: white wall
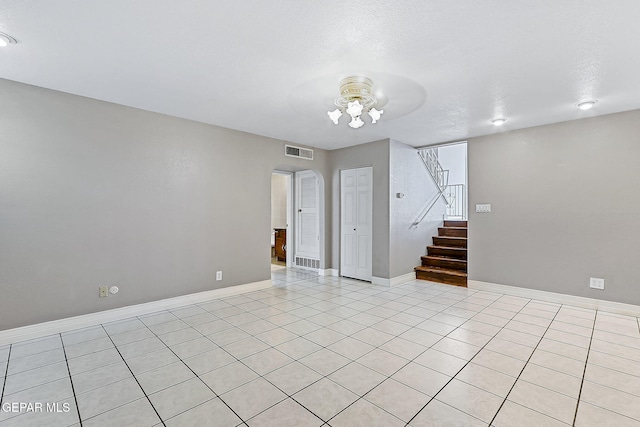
column 454, row 159
column 408, row 175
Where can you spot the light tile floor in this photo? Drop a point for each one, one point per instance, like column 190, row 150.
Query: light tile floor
column 319, row 351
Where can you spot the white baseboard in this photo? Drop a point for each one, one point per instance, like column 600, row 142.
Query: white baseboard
column 399, row 280
column 380, row 281
column 328, row 272
column 394, row 281
column 576, row 301
column 10, row 336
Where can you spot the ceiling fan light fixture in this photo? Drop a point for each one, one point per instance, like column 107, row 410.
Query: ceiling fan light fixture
column 375, row 114
column 356, row 98
column 334, row 115
column 587, row 105
column 356, row 122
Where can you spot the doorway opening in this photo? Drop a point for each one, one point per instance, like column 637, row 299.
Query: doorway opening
column 281, row 218
column 297, row 220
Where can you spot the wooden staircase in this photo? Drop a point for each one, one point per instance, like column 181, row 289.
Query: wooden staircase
column 446, row 259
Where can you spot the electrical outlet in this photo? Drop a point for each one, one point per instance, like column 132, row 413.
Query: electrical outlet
column 218, row 275
column 483, row 208
column 103, row 291
column 596, row 283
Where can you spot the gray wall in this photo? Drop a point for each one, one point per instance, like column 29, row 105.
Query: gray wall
column 93, row 193
column 565, row 207
column 374, row 154
column 409, row 176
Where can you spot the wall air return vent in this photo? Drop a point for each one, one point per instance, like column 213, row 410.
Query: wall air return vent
column 301, row 153
column 307, row 263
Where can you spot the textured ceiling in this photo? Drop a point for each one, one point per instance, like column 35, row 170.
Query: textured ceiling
column 272, row 67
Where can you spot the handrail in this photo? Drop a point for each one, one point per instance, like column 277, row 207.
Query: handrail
column 440, row 177
column 426, row 211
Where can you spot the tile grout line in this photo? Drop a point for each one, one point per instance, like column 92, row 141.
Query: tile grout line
column 365, row 326
column 584, row 372
column 6, row 374
column 350, row 361
column 134, row 377
column 411, row 360
column 387, row 378
column 325, row 347
column 608, row 386
column 427, row 349
column 73, row 390
column 188, row 367
column 322, row 347
column 524, row 367
column 375, row 348
column 299, row 285
column 467, row 363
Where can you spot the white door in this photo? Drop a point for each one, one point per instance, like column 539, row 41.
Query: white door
column 356, row 228
column 307, row 218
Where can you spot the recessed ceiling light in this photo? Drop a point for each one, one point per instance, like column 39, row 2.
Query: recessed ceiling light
column 586, row 105
column 6, row 39
column 498, row 122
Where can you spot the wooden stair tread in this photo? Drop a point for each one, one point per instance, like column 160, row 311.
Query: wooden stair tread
column 446, row 259
column 455, row 223
column 443, row 262
column 451, row 237
column 452, row 232
column 454, row 248
column 443, row 258
column 441, row 270
column 450, row 241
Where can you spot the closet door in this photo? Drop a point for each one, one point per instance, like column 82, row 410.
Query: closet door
column 356, row 214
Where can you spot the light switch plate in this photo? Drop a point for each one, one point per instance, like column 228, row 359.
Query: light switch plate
column 483, row 208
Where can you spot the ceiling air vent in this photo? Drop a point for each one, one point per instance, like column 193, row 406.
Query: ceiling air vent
column 302, row 153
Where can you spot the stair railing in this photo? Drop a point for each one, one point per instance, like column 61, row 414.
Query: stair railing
column 456, row 196
column 429, row 157
column 440, row 176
